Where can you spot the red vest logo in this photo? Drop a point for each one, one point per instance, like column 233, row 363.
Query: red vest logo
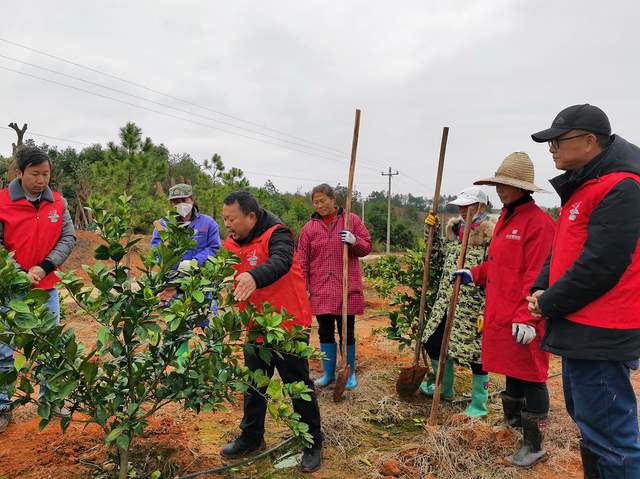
column 574, row 211
column 53, row 216
column 253, row 259
column 514, row 235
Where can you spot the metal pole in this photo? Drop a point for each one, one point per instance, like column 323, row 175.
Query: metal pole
column 389, row 209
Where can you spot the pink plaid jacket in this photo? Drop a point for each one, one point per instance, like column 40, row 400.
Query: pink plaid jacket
column 320, row 254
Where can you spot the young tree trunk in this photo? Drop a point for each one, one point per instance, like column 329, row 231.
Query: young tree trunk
column 124, row 463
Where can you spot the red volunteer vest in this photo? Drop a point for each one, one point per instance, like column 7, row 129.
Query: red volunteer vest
column 289, row 292
column 31, row 234
column 619, row 308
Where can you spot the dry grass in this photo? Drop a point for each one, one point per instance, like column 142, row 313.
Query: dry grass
column 372, row 425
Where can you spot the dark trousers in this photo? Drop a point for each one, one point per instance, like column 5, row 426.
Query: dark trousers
column 291, row 369
column 326, row 328
column 601, row 400
column 433, row 345
column 535, row 395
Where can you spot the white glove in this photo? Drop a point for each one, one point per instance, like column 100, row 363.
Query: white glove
column 347, row 237
column 524, row 333
column 465, row 275
column 185, row 265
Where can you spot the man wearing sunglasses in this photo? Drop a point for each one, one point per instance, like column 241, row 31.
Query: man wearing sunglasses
column 589, row 288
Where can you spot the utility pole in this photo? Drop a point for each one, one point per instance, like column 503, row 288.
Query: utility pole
column 363, row 209
column 389, row 174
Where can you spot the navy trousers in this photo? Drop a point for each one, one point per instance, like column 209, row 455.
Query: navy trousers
column 601, row 400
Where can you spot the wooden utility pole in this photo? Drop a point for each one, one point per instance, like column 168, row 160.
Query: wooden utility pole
column 389, row 174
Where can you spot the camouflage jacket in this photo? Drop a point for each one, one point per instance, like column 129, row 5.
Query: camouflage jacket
column 466, row 333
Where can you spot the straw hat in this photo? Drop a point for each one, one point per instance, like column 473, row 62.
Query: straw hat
column 516, row 170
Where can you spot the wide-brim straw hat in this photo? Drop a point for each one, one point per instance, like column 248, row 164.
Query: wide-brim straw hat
column 516, row 170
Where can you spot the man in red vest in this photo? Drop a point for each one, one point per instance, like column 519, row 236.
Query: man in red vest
column 269, row 272
column 589, row 288
column 35, row 225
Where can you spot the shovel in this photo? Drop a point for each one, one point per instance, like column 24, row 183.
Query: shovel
column 451, row 313
column 411, row 377
column 342, row 374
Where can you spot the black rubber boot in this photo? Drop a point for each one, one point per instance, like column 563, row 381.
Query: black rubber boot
column 530, row 451
column 512, row 408
column 311, row 458
column 242, row 446
column 589, row 463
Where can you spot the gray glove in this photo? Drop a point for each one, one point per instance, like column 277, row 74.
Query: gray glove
column 347, row 237
column 524, row 333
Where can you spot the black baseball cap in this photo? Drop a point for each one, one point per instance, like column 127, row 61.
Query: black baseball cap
column 577, row 117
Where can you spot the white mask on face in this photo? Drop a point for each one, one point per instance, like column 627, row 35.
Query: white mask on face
column 184, row 209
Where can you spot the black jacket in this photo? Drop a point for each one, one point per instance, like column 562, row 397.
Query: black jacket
column 280, row 249
column 612, row 237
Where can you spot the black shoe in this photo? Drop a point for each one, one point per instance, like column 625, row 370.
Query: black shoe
column 589, row 463
column 242, row 446
column 530, row 451
column 311, row 459
column 5, row 419
column 512, row 408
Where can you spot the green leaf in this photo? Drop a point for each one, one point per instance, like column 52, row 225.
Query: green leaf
column 44, row 410
column 274, row 390
column 43, row 423
column 26, row 321
column 90, row 370
column 113, row 435
column 198, row 296
column 101, row 252
column 19, row 306
column 19, row 361
column 116, row 252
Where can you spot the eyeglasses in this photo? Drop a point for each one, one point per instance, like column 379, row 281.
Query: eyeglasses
column 555, row 142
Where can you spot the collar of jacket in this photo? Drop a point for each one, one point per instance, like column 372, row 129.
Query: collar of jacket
column 316, row 215
column 619, row 156
column 511, row 208
column 17, row 193
column 265, row 220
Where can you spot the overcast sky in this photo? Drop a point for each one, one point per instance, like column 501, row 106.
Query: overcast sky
column 494, row 71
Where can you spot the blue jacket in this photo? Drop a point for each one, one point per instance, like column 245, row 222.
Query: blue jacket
column 207, row 237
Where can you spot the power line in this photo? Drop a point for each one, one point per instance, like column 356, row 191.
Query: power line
column 157, row 92
column 170, row 115
column 268, row 175
column 138, row 97
column 315, row 180
column 33, row 133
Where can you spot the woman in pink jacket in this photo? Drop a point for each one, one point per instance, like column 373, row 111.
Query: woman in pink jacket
column 320, row 252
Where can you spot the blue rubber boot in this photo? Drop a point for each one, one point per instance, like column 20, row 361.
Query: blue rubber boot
column 428, row 388
column 328, row 365
column 352, row 382
column 479, row 396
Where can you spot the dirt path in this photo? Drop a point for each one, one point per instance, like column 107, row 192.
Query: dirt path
column 370, row 427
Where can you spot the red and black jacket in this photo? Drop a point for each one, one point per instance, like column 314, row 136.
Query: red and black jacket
column 592, row 276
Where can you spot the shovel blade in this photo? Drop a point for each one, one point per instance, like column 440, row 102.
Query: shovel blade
column 342, row 375
column 409, row 380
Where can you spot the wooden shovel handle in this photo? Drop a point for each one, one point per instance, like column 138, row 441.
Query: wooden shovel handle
column 345, row 247
column 429, row 247
column 451, row 313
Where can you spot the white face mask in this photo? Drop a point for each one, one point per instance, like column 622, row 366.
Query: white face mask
column 184, row 209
